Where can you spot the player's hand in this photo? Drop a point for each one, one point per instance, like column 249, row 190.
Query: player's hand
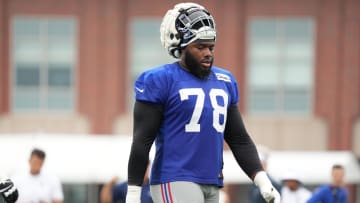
column 267, row 190
column 133, row 194
column 8, row 190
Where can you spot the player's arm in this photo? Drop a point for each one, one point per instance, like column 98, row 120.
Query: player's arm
column 318, row 195
column 106, row 190
column 241, row 144
column 147, row 120
column 246, row 154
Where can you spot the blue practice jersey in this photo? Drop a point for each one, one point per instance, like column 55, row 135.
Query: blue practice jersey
column 329, row 194
column 189, row 144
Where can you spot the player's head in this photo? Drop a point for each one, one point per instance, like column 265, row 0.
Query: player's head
column 36, row 161
column 337, row 174
column 291, row 179
column 188, row 32
column 185, row 24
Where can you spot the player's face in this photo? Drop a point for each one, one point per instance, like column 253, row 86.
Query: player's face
column 292, row 184
column 36, row 164
column 338, row 177
column 198, row 58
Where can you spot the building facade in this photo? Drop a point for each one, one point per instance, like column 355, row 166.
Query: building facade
column 69, row 66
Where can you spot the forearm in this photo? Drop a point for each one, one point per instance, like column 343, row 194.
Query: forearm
column 147, row 120
column 246, row 155
column 105, row 194
column 138, row 161
column 241, row 144
column 106, row 191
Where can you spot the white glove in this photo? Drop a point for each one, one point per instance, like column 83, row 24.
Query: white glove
column 267, row 190
column 133, row 194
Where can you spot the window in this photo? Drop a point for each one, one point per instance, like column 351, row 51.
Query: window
column 146, row 50
column 280, row 65
column 43, row 63
column 81, row 192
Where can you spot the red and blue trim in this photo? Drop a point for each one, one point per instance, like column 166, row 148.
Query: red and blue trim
column 166, row 193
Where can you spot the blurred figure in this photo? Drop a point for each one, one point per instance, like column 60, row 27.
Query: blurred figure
column 115, row 191
column 8, row 190
column 293, row 190
column 35, row 186
column 254, row 194
column 335, row 192
column 223, row 196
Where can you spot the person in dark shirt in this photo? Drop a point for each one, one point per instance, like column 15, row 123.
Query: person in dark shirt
column 115, row 192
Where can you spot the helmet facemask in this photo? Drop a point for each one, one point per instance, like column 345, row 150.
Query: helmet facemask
column 195, row 24
column 184, row 24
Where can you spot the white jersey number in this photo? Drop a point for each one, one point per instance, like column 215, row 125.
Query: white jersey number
column 218, row 110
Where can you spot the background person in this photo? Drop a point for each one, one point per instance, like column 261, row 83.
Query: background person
column 115, row 192
column 293, row 190
column 335, row 192
column 35, row 185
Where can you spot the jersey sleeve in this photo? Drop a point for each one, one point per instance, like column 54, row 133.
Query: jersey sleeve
column 231, row 85
column 234, row 91
column 316, row 195
column 149, row 87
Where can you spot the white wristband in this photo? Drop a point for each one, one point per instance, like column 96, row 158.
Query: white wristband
column 268, row 192
column 262, row 180
column 133, row 194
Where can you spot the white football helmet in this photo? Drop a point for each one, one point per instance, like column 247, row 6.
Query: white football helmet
column 184, row 24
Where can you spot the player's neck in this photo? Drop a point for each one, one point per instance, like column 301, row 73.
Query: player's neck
column 183, row 66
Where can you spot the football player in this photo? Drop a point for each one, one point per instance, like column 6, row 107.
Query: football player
column 189, row 108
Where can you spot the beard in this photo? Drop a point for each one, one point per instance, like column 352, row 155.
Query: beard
column 195, row 67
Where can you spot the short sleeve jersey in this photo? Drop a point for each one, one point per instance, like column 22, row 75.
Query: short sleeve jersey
column 189, row 143
column 38, row 188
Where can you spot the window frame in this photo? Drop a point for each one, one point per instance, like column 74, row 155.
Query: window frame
column 72, row 89
column 280, row 106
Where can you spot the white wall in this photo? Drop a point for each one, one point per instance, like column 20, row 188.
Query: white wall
column 80, row 158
